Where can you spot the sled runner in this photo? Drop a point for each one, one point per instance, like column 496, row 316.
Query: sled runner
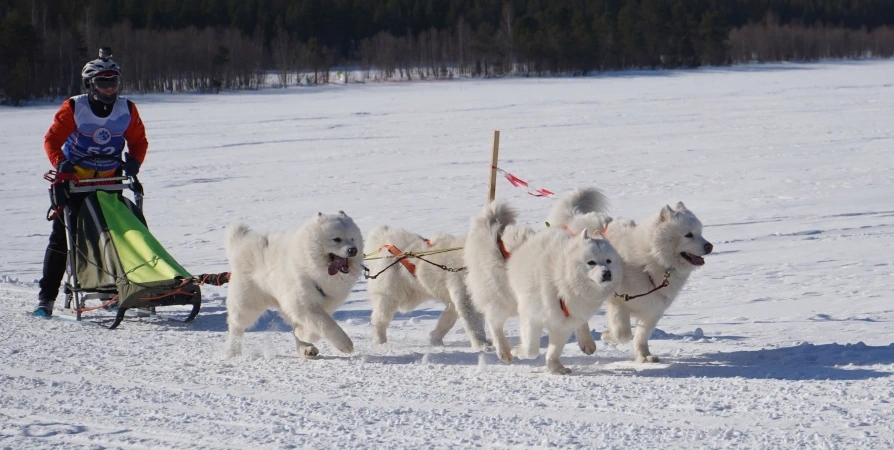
column 112, row 256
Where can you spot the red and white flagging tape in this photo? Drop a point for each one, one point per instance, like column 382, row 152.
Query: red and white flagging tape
column 519, row 183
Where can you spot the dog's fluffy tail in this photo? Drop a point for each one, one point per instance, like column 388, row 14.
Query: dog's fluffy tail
column 244, row 247
column 495, row 216
column 495, row 223
column 235, row 234
column 578, row 202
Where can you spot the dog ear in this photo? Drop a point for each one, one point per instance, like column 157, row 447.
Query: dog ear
column 342, row 213
column 680, row 207
column 666, row 213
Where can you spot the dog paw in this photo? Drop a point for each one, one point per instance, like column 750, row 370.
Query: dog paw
column 484, row 347
column 233, row 348
column 505, row 356
column 522, row 353
column 379, row 336
column 559, row 369
column 437, row 342
column 647, row 358
column 587, row 347
column 310, row 352
column 345, row 347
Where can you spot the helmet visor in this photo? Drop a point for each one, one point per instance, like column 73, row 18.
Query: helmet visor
column 106, row 82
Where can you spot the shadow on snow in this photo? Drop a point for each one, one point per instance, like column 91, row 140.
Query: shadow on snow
column 796, row 363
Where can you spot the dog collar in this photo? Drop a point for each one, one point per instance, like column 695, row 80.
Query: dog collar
column 319, row 289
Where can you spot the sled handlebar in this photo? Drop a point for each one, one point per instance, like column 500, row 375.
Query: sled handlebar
column 109, row 183
column 92, row 184
column 82, row 185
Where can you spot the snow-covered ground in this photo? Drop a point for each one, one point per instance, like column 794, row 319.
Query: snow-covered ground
column 782, row 340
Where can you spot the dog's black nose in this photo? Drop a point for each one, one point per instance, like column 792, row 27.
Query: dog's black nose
column 352, row 251
column 607, row 275
column 708, row 248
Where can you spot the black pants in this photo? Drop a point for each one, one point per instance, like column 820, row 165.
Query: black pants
column 56, row 257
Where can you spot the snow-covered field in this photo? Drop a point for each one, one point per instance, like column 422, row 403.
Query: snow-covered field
column 783, row 339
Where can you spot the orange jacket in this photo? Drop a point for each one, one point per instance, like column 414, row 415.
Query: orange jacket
column 64, row 125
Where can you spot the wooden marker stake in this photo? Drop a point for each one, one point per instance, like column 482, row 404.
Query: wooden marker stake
column 492, row 191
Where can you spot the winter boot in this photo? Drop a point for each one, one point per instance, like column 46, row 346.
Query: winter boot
column 44, row 307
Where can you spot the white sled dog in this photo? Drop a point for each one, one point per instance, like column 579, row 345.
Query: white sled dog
column 582, row 208
column 407, row 284
column 492, row 239
column 669, row 242
column 305, row 273
column 560, row 281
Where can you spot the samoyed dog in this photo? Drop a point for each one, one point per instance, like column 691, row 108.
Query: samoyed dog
column 492, row 239
column 560, row 280
column 669, row 242
column 405, row 285
column 582, row 208
column 305, row 273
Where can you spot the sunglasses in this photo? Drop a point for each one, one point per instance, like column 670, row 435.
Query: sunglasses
column 106, row 82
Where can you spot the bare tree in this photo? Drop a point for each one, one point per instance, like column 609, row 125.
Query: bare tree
column 769, row 41
column 283, row 47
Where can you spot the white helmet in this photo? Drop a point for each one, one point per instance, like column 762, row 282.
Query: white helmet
column 103, row 67
column 99, row 66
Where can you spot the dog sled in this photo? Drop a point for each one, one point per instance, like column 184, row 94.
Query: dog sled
column 114, row 262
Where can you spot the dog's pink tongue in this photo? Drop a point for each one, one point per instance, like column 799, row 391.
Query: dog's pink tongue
column 336, row 265
column 697, row 259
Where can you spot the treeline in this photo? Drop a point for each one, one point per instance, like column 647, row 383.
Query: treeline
column 207, row 45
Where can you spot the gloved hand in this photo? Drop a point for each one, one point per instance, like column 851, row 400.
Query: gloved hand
column 65, row 167
column 131, row 165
